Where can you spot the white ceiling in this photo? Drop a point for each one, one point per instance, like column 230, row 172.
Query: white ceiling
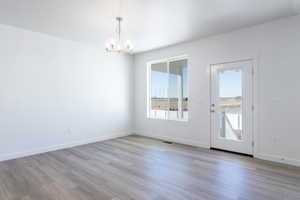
column 149, row 24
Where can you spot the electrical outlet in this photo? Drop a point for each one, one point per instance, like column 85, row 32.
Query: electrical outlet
column 274, row 138
column 69, row 131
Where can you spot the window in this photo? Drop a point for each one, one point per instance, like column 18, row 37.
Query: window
column 168, row 89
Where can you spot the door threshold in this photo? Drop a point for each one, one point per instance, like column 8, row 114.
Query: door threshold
column 232, row 152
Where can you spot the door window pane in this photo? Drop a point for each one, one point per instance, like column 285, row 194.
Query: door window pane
column 230, row 104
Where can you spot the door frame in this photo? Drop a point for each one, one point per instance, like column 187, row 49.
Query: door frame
column 255, row 100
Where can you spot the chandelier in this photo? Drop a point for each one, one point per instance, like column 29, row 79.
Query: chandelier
column 118, row 44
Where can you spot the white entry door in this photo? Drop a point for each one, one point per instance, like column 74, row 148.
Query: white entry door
column 232, row 107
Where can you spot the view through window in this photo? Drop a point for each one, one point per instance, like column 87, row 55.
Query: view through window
column 230, row 103
column 168, row 90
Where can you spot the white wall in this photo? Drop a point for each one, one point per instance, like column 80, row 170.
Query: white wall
column 276, row 47
column 56, row 93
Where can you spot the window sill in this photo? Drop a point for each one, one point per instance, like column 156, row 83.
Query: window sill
column 168, row 120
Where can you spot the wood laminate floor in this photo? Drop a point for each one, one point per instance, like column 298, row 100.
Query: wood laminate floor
column 141, row 168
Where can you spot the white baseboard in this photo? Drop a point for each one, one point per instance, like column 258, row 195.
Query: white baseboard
column 261, row 156
column 172, row 139
column 278, row 159
column 33, row 151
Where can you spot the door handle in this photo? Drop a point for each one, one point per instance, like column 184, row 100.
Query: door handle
column 212, row 107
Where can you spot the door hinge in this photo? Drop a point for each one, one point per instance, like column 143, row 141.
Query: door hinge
column 252, row 143
column 252, row 107
column 252, row 72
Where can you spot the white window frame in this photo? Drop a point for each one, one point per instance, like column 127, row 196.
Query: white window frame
column 149, row 64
